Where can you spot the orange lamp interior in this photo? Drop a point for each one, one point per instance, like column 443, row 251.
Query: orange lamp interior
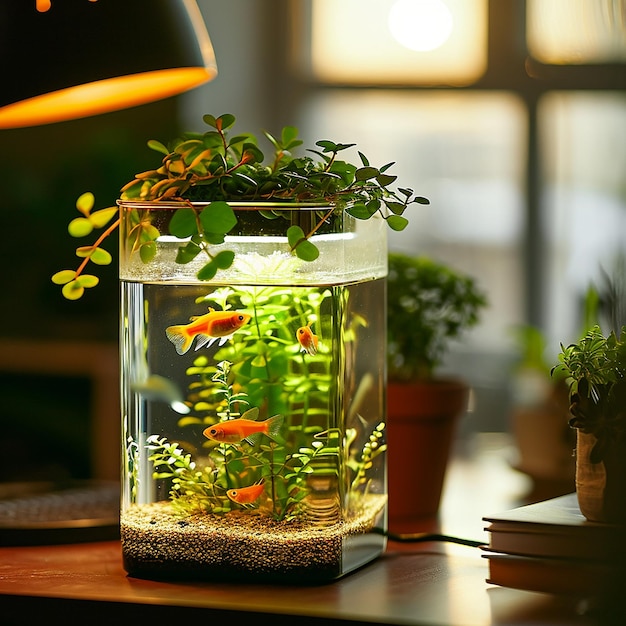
column 103, row 96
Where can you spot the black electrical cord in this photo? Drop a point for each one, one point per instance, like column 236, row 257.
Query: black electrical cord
column 423, row 537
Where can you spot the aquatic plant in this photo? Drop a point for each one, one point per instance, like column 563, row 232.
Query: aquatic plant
column 373, row 447
column 193, row 490
column 284, row 463
column 218, row 168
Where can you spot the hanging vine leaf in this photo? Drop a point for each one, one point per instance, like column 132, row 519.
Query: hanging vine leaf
column 216, row 168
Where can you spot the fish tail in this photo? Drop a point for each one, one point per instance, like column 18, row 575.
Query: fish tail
column 179, row 336
column 274, row 425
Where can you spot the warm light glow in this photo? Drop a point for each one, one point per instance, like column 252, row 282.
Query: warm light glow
column 576, row 31
column 392, row 41
column 103, row 96
column 44, row 5
column 420, row 25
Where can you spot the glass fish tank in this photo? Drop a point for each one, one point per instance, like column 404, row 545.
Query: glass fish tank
column 253, row 403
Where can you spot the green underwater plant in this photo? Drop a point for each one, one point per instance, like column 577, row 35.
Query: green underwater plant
column 280, row 379
column 217, row 168
column 203, row 489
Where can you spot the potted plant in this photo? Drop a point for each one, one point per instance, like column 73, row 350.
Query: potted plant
column 429, row 305
column 544, row 441
column 253, row 411
column 594, row 368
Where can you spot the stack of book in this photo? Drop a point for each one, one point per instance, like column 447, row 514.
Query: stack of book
column 549, row 546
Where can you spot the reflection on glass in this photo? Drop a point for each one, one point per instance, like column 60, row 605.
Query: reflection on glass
column 577, row 31
column 399, row 41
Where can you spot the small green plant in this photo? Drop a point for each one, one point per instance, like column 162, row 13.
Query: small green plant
column 198, row 488
column 216, row 168
column 595, row 370
column 429, row 304
column 360, row 466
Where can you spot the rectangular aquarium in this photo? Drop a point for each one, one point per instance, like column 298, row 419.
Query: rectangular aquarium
column 253, row 403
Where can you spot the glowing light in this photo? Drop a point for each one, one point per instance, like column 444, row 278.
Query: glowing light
column 420, row 25
column 102, row 96
column 44, row 5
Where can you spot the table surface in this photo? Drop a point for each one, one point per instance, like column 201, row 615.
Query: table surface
column 431, row 583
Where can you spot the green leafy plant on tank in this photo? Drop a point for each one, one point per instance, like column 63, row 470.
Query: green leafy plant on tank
column 216, row 167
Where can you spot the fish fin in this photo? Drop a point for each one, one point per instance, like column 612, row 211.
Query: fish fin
column 252, row 439
column 223, row 340
column 274, row 425
column 204, row 340
column 179, row 337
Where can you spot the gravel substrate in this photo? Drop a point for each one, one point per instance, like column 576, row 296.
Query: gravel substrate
column 157, row 543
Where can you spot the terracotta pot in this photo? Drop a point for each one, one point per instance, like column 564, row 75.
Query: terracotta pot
column 421, row 422
column 601, row 487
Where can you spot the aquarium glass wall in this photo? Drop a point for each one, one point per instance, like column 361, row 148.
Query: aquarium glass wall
column 253, row 404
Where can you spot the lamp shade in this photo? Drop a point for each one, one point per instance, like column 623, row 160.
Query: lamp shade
column 75, row 58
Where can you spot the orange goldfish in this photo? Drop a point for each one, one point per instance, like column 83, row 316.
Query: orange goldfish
column 246, row 495
column 242, row 429
column 210, row 327
column 306, row 339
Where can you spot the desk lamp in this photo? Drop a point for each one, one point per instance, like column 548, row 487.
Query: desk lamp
column 66, row 59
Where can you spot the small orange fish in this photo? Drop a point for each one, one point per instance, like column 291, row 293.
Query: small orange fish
column 242, row 429
column 306, row 339
column 246, row 495
column 210, row 327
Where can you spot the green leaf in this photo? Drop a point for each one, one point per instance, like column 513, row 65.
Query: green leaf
column 218, row 217
column 102, row 217
column 183, row 223
column 360, row 211
column 147, row 251
column 224, row 259
column 294, row 235
column 395, row 207
column 365, row 173
column 214, row 238
column 149, row 232
column 153, row 144
column 85, row 203
column 100, row 256
column 306, row 250
column 63, row 277
column 87, row 280
column 72, row 291
column 208, row 271
column 79, row 227
column 384, row 180
column 397, row 222
column 209, row 120
column 188, row 252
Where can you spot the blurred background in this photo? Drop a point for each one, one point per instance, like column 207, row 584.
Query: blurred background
column 509, row 115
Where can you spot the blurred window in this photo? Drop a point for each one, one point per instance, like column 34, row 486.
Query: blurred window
column 399, row 41
column 576, row 31
column 518, row 140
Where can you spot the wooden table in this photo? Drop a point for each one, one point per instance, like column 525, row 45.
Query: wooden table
column 430, row 583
